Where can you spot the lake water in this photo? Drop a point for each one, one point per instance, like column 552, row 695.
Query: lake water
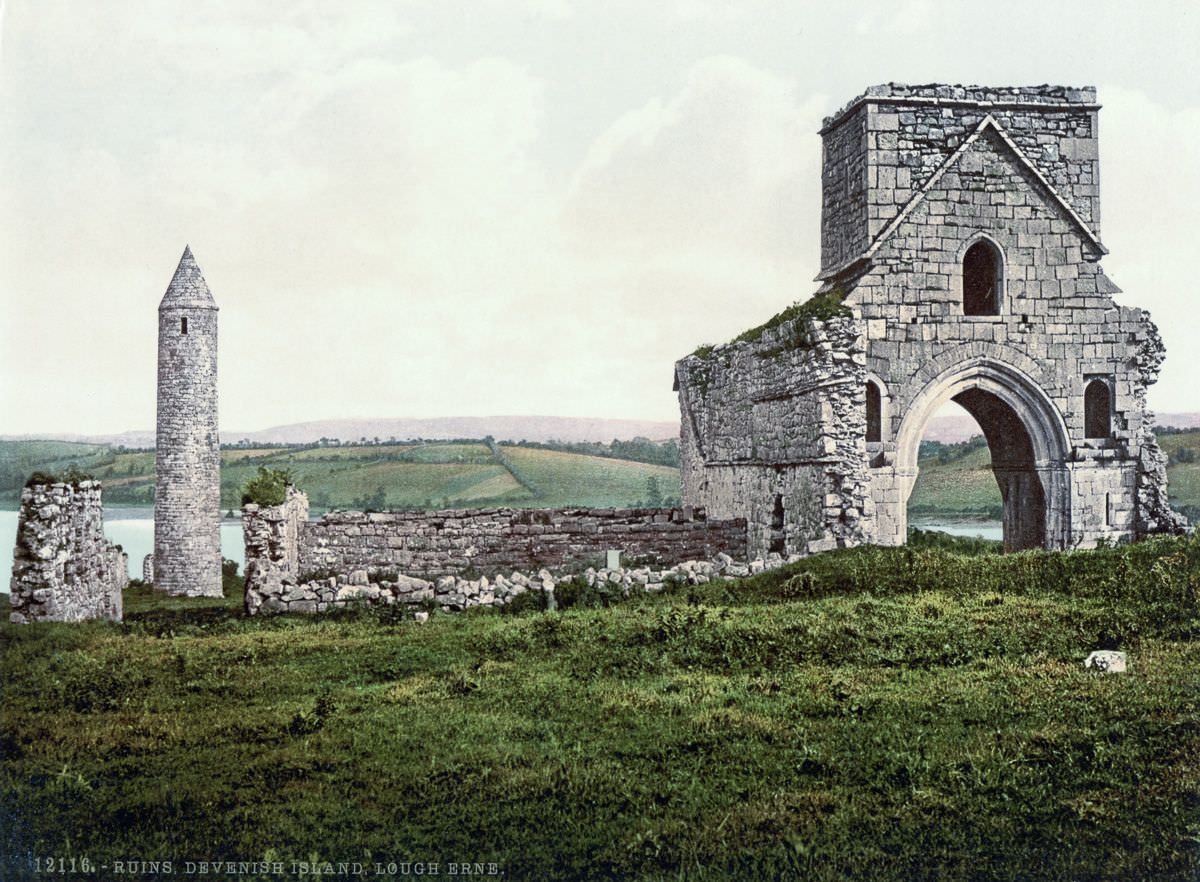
column 132, row 529
column 980, row 529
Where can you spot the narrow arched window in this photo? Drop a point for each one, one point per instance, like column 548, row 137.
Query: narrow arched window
column 183, row 325
column 1097, row 410
column 778, row 537
column 874, row 413
column 981, row 279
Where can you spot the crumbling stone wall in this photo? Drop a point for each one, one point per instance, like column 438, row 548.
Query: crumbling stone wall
column 272, row 537
column 496, row 540
column 773, row 431
column 914, row 179
column 295, row 561
column 64, row 570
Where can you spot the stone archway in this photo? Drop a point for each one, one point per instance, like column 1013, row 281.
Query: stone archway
column 1028, row 442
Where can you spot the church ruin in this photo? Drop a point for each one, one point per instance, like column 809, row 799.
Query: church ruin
column 960, row 260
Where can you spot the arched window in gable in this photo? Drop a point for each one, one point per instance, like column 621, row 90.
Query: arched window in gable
column 1097, row 410
column 982, row 274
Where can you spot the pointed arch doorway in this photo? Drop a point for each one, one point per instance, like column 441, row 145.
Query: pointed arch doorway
column 1028, row 443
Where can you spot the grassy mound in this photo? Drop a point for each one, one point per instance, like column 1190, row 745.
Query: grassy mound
column 908, row 714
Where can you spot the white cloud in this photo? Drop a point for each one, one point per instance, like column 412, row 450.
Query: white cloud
column 702, row 206
column 908, row 17
column 730, row 162
column 382, row 198
column 1150, row 193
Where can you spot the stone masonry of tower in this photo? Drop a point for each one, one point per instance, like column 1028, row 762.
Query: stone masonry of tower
column 187, row 493
column 960, row 260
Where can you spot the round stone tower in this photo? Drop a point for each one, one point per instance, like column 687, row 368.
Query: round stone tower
column 187, row 492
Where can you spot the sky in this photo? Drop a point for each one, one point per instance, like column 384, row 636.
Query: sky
column 521, row 207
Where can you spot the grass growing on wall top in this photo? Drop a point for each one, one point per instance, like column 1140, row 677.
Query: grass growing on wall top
column 821, row 307
column 869, row 714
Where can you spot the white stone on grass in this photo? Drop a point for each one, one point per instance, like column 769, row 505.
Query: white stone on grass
column 1107, row 661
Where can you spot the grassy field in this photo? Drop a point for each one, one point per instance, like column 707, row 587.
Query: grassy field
column 1183, row 478
column 961, row 487
column 899, row 714
column 20, row 459
column 395, row 476
column 563, row 479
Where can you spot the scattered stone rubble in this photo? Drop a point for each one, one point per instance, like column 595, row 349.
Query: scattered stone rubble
column 457, row 593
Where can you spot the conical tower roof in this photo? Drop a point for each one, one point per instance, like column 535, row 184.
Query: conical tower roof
column 188, row 287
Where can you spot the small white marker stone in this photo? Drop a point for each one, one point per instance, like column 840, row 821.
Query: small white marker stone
column 1106, row 661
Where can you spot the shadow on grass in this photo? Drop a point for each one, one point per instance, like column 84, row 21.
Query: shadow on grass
column 154, row 612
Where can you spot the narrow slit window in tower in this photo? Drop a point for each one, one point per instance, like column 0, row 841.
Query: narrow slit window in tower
column 874, row 413
column 778, row 539
column 183, row 325
column 1097, row 410
column 981, row 280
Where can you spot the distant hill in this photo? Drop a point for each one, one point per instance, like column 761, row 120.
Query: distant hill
column 502, row 428
column 953, row 429
column 950, row 429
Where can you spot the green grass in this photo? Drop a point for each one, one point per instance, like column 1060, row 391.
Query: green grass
column 564, row 479
column 1183, row 479
column 411, row 476
column 964, row 487
column 900, row 714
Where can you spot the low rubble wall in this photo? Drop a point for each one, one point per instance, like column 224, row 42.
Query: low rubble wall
column 458, row 559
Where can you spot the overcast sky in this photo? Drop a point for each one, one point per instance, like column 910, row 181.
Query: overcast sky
column 440, row 208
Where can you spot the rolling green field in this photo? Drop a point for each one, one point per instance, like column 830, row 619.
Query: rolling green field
column 962, row 486
column 388, row 476
column 570, row 479
column 895, row 714
column 1183, row 477
column 955, row 481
